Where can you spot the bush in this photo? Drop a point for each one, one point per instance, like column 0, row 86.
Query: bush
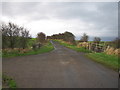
column 13, row 35
column 8, row 81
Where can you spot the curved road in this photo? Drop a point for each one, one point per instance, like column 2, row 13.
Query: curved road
column 60, row 68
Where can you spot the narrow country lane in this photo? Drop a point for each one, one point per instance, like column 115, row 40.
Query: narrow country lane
column 60, row 68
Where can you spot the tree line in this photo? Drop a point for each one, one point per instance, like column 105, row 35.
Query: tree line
column 69, row 37
column 14, row 36
column 66, row 36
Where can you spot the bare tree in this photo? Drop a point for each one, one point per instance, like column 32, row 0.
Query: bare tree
column 4, row 35
column 84, row 38
column 97, row 39
column 12, row 35
column 24, row 37
column 12, row 32
column 116, row 42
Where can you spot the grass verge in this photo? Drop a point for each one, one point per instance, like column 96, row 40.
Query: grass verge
column 110, row 61
column 46, row 48
column 8, row 82
column 74, row 47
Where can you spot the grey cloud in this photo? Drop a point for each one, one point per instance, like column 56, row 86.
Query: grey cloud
column 18, row 8
column 103, row 14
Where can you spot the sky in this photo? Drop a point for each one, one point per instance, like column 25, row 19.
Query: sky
column 96, row 19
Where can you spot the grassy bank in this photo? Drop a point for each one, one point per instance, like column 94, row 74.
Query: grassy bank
column 110, row 61
column 74, row 47
column 46, row 48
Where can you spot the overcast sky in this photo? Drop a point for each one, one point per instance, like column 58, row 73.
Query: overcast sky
column 96, row 19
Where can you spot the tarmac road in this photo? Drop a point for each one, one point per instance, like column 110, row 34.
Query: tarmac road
column 60, row 68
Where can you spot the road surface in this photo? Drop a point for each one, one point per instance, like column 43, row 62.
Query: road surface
column 60, row 68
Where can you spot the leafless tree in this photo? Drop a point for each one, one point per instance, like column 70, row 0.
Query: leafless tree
column 12, row 35
column 24, row 37
column 84, row 38
column 116, row 42
column 97, row 39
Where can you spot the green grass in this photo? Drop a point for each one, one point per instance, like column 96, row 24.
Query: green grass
column 110, row 61
column 9, row 81
column 74, row 47
column 46, row 48
column 31, row 42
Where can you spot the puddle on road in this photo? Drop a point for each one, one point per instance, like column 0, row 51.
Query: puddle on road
column 65, row 63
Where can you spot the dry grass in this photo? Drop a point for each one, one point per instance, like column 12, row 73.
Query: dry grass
column 112, row 51
column 20, row 50
column 109, row 50
column 83, row 44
